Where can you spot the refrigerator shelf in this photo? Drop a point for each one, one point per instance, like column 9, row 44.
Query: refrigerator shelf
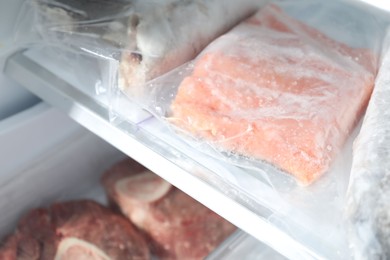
column 249, row 203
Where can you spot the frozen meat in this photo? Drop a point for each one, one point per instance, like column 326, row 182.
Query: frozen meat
column 74, row 230
column 178, row 227
column 276, row 90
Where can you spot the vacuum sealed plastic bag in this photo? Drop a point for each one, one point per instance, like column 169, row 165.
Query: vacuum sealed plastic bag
column 368, row 208
column 276, row 89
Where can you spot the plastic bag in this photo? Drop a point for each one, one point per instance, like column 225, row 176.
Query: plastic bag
column 132, row 41
column 311, row 215
column 147, row 38
column 275, row 89
column 368, row 205
column 76, row 25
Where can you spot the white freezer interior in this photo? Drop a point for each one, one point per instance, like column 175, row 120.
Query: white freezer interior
column 13, row 98
column 22, row 135
column 59, row 161
column 64, row 165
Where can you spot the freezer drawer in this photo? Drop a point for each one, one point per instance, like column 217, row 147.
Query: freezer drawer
column 61, row 161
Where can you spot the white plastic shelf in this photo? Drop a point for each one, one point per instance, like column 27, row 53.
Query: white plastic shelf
column 238, row 195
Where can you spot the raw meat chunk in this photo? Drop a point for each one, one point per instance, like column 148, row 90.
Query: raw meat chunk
column 74, row 230
column 178, row 226
column 274, row 89
column 34, row 238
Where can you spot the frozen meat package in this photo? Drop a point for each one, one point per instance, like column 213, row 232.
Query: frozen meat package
column 145, row 38
column 368, row 205
column 285, row 87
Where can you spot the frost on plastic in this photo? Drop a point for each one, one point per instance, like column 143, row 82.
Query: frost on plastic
column 337, row 47
column 278, row 90
column 368, row 212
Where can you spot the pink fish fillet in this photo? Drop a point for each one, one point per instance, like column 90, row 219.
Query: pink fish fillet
column 277, row 90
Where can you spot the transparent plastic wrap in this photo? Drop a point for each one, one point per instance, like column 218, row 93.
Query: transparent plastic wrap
column 276, row 89
column 145, row 38
column 368, row 207
column 323, row 58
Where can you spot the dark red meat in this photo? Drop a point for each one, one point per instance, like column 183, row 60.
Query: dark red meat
column 78, row 229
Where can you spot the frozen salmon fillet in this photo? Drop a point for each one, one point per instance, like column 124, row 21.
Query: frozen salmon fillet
column 276, row 90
